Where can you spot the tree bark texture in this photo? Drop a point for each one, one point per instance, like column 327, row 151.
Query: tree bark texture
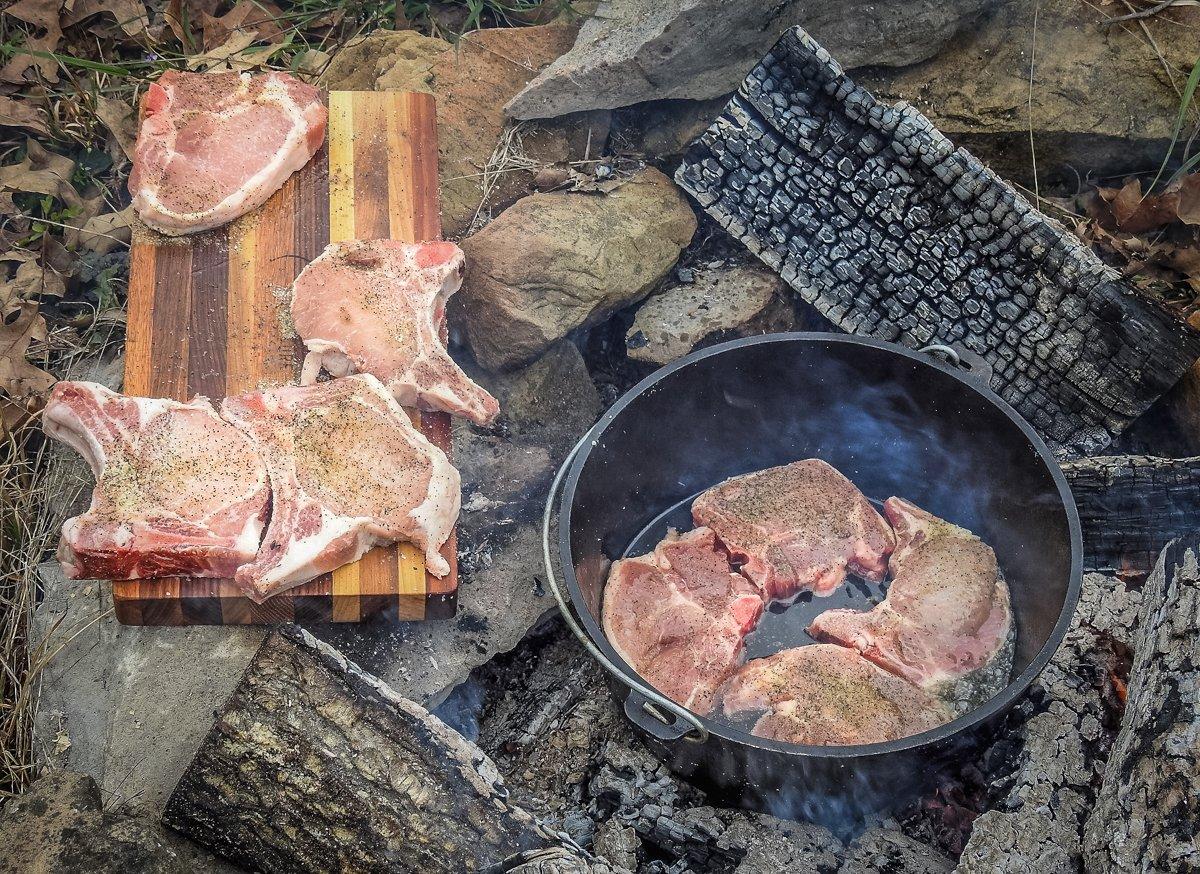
column 314, row 765
column 1147, row 813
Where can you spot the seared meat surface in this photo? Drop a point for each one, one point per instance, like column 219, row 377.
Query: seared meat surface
column 348, row 471
column 947, row 610
column 214, row 146
column 798, row 527
column 178, row 491
column 825, row 694
column 679, row 617
column 377, row 307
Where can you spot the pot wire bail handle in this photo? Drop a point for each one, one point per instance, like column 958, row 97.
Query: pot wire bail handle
column 653, row 703
column 967, row 362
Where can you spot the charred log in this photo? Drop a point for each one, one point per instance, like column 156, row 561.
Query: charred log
column 564, row 747
column 1046, row 766
column 876, row 219
column 1132, row 506
column 1147, row 813
column 314, row 765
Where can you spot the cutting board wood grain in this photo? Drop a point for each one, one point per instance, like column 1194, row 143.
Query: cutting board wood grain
column 208, row 314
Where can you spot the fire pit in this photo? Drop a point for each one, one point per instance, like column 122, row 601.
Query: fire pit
column 895, row 422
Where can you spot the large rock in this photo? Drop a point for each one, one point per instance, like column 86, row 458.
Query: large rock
column 637, row 50
column 59, row 827
column 555, row 262
column 977, row 90
column 129, row 705
column 482, row 168
column 721, row 303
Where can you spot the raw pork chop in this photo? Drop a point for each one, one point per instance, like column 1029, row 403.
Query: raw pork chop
column 824, row 694
column 797, row 527
column 348, row 470
column 947, row 610
column 679, row 617
column 214, row 146
column 178, row 491
column 377, row 306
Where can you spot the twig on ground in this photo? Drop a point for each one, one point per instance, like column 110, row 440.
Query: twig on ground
column 1139, row 14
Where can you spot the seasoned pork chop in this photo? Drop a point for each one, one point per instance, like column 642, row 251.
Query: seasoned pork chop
column 214, row 146
column 947, row 610
column 824, row 694
column 797, row 527
column 679, row 617
column 178, row 491
column 377, row 306
column 348, row 471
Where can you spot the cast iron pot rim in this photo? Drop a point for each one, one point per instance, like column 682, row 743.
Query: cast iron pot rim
column 998, row 704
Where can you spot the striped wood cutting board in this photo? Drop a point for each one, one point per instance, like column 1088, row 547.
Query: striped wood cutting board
column 208, row 315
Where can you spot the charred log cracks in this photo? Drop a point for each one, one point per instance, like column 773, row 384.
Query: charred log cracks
column 1089, row 776
column 1147, row 812
column 314, row 765
column 877, row 220
column 1131, row 506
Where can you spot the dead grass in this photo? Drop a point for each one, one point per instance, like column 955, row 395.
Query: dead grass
column 29, row 528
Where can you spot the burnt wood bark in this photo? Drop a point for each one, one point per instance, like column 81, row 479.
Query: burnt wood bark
column 1047, row 763
column 314, row 765
column 877, row 220
column 1131, row 506
column 1147, row 813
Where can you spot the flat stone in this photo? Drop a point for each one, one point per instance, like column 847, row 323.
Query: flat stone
column 637, row 50
column 133, row 703
column 472, row 80
column 720, row 304
column 977, row 89
column 555, row 262
column 59, row 827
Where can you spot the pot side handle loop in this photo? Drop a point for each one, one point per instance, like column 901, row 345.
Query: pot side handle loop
column 971, row 365
column 649, row 710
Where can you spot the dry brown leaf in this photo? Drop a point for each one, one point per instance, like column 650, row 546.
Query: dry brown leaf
column 1137, row 214
column 226, row 57
column 21, row 113
column 130, row 14
column 183, row 19
column 1189, row 199
column 42, row 172
column 24, row 385
column 310, row 64
column 43, row 15
column 45, row 172
column 121, row 120
column 31, row 281
column 260, row 17
column 103, row 233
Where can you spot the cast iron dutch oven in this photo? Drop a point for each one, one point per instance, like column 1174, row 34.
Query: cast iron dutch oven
column 896, row 422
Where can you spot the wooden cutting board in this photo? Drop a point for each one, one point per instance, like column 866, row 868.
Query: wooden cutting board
column 208, row 315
